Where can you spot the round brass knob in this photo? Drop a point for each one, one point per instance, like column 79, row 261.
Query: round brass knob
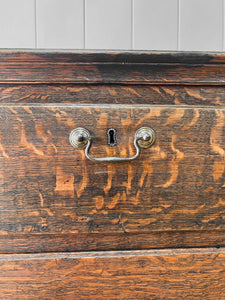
column 145, row 137
column 79, row 138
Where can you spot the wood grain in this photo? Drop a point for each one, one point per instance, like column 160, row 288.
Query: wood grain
column 104, row 56
column 107, row 68
column 112, row 94
column 49, row 187
column 113, row 74
column 154, row 274
column 61, row 242
column 52, row 199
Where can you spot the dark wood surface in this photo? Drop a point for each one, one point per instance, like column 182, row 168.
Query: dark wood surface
column 112, row 94
column 113, row 74
column 99, row 56
column 107, row 68
column 48, row 187
column 61, row 242
column 155, row 274
column 53, row 201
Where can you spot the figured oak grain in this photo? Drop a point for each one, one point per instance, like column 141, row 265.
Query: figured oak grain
column 153, row 274
column 52, row 199
column 49, row 187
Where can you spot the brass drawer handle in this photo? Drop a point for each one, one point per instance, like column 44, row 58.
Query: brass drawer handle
column 80, row 138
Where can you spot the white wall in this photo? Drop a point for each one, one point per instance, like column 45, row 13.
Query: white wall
column 113, row 24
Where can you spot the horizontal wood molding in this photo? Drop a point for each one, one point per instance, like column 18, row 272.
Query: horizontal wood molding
column 43, row 243
column 112, row 68
column 104, row 56
column 164, row 274
column 112, row 94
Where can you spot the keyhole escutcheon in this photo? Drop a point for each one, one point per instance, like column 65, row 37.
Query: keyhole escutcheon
column 111, row 137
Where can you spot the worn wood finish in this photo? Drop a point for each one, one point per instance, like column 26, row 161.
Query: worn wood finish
column 105, row 74
column 99, row 56
column 49, row 187
column 156, row 274
column 52, row 199
column 112, row 94
column 108, row 68
column 39, row 243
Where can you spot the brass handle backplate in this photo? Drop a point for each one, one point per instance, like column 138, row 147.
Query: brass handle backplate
column 80, row 138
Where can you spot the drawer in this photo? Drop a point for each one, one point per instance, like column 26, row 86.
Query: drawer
column 49, row 188
column 66, row 215
column 152, row 274
column 53, row 198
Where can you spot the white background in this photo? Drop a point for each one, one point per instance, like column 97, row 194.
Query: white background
column 196, row 25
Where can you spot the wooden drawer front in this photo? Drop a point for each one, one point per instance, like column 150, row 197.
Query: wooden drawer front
column 48, row 187
column 162, row 274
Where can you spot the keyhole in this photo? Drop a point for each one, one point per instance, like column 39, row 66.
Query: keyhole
column 112, row 137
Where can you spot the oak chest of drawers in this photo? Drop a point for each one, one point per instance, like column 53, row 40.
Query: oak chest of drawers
column 115, row 218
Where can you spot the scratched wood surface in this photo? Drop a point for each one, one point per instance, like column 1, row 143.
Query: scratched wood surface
column 107, row 68
column 48, row 187
column 154, row 274
column 45, row 243
column 52, row 199
column 112, row 94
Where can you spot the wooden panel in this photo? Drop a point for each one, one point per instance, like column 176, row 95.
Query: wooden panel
column 112, row 94
column 165, row 274
column 155, row 24
column 35, row 243
column 99, row 56
column 60, row 24
column 49, row 187
column 123, row 68
column 113, row 73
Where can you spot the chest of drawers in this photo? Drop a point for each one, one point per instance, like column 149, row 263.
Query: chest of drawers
column 74, row 227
